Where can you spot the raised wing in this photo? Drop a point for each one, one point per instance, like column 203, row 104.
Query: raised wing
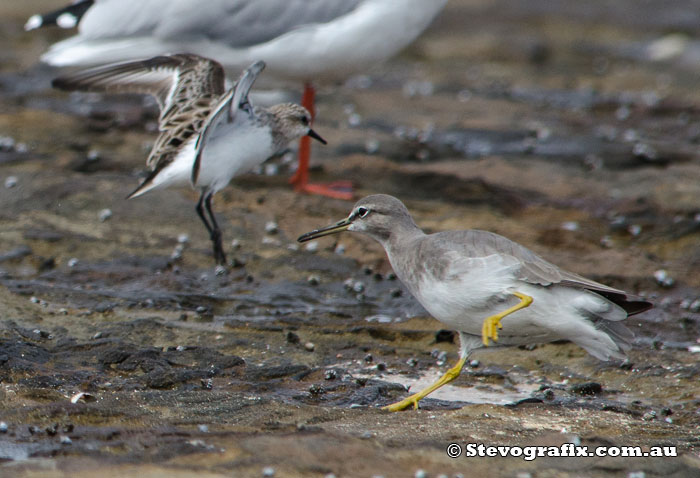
column 226, row 110
column 176, row 81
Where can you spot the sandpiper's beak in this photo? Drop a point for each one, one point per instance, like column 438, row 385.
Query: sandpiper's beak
column 316, row 136
column 339, row 226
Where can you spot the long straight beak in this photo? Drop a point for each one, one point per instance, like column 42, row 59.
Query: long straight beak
column 316, row 136
column 339, row 226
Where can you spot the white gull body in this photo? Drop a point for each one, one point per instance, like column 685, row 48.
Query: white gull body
column 298, row 39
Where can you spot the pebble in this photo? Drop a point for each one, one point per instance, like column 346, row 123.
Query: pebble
column 330, row 475
column 411, row 362
column 220, row 270
column 649, row 416
column 354, row 120
column 236, row 244
column 105, row 214
column 268, row 472
column 6, row 143
column 271, row 228
column 636, row 474
column 271, row 169
column 442, row 358
column 606, row 241
column 81, row 396
column 358, row 287
column 65, row 440
column 570, row 226
column 73, row 262
column 11, row 182
column 270, row 241
column 177, row 252
column 420, row 474
column 371, row 146
column 93, row 155
column 663, row 278
column 348, row 284
column 634, row 229
column 201, row 309
column 339, row 249
column 313, row 280
column 183, row 238
column 311, row 246
column 474, row 363
column 203, row 428
column 309, row 346
column 3, row 427
column 694, row 306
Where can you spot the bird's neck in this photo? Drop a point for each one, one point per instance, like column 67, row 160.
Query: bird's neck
column 401, row 239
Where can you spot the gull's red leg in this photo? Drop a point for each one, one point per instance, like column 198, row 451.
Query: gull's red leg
column 300, row 179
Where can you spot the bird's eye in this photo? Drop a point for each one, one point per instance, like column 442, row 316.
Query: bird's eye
column 362, row 212
column 305, row 120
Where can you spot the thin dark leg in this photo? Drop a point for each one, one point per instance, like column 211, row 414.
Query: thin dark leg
column 200, row 212
column 215, row 232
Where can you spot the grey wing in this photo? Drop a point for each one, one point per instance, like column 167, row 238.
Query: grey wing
column 226, row 110
column 175, row 81
column 237, row 23
column 533, row 269
column 530, row 268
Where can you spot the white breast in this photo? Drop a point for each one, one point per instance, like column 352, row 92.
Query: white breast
column 236, row 149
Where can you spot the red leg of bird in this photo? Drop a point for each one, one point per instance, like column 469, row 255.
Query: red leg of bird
column 337, row 189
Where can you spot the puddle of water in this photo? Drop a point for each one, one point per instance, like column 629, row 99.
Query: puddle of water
column 493, row 394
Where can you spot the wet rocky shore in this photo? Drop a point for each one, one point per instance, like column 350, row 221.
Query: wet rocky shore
column 570, row 127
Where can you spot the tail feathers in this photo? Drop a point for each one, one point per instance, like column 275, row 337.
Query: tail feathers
column 602, row 347
column 145, row 186
column 607, row 340
column 67, row 17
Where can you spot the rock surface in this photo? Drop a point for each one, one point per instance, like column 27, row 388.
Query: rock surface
column 571, row 127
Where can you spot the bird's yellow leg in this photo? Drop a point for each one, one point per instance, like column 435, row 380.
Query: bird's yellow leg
column 491, row 325
column 450, row 375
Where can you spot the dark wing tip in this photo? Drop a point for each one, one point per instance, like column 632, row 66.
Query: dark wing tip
column 631, row 304
column 66, row 17
column 633, row 307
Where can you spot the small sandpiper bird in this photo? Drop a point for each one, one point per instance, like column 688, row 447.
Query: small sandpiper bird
column 300, row 40
column 478, row 283
column 207, row 135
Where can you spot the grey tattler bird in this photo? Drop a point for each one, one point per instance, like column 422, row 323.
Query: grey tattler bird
column 478, row 283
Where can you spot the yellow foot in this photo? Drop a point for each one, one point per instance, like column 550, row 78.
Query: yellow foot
column 491, row 324
column 404, row 404
column 490, row 329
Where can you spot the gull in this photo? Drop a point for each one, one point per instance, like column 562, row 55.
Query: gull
column 207, row 135
column 308, row 41
column 478, row 283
